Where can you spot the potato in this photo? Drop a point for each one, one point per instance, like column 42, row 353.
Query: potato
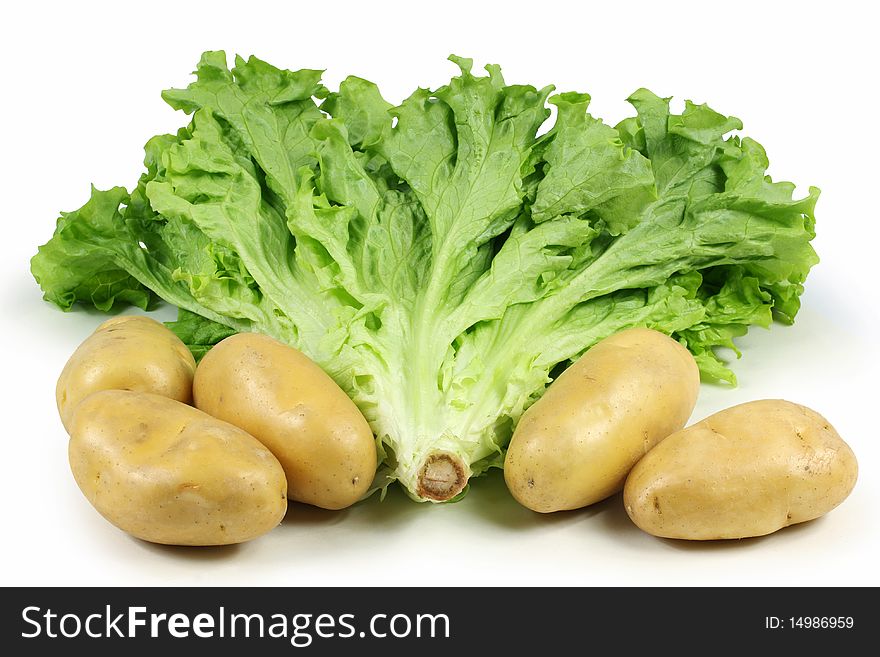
column 286, row 401
column 575, row 445
column 746, row 471
column 126, row 353
column 168, row 473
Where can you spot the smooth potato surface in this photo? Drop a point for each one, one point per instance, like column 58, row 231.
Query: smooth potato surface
column 746, row 471
column 126, row 353
column 286, row 401
column 575, row 445
column 168, row 473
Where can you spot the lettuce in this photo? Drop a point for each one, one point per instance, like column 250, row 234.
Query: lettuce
column 439, row 259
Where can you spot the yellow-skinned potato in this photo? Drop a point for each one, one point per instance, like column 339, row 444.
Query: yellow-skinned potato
column 746, row 471
column 575, row 445
column 168, row 473
column 286, row 401
column 126, row 353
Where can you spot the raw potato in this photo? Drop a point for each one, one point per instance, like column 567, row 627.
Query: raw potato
column 126, row 353
column 287, row 402
column 575, row 445
column 746, row 471
column 168, row 473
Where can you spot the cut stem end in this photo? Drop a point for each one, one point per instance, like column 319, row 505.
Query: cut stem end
column 442, row 477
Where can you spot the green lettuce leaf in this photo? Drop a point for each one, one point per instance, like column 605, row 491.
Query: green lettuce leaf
column 198, row 333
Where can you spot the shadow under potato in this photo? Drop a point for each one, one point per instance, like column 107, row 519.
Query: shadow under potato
column 191, row 552
column 734, row 543
column 395, row 509
column 490, row 500
column 305, row 515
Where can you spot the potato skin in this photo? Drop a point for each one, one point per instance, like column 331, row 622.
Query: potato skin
column 746, row 471
column 129, row 352
column 168, row 473
column 287, row 402
column 575, row 445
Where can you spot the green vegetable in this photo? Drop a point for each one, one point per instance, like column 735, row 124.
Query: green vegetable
column 438, row 259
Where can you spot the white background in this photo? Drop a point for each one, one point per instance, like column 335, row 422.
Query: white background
column 80, row 96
